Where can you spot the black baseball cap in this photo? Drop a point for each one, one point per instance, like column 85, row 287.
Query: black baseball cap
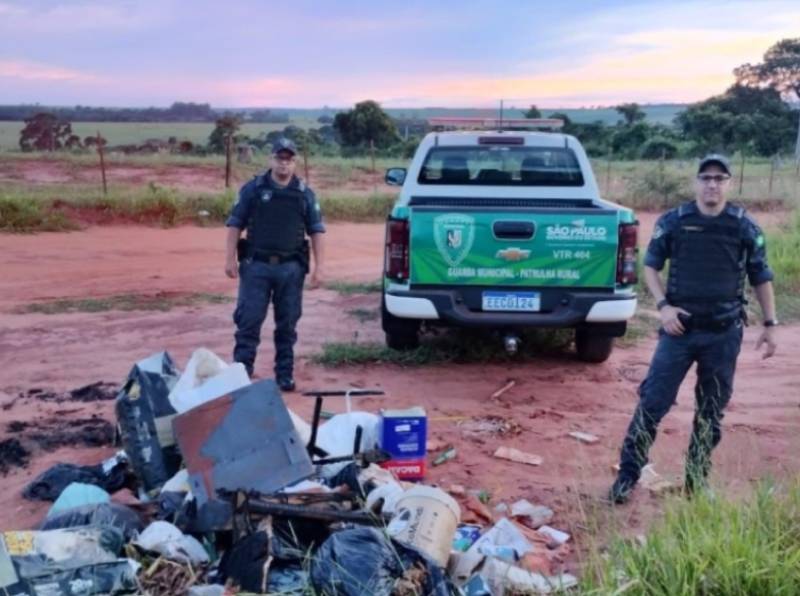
column 715, row 159
column 284, row 144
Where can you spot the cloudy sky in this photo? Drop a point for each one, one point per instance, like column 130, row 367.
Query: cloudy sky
column 305, row 53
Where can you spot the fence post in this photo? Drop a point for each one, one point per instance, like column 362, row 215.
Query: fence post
column 771, row 176
column 227, row 161
column 102, row 162
column 305, row 161
column 372, row 153
column 741, row 176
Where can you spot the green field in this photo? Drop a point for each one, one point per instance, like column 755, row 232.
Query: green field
column 123, row 133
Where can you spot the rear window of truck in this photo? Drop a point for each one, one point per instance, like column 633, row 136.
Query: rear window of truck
column 501, row 166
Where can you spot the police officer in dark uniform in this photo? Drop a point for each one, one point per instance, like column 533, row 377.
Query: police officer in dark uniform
column 278, row 210
column 712, row 246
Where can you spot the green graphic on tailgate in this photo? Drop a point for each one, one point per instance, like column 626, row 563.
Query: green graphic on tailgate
column 460, row 248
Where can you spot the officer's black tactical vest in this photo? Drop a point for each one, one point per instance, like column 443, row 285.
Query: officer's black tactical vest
column 707, row 264
column 277, row 225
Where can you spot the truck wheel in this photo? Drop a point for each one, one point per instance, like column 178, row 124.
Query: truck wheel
column 401, row 334
column 592, row 347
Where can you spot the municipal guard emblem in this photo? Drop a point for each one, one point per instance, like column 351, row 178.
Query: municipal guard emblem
column 266, row 196
column 454, row 234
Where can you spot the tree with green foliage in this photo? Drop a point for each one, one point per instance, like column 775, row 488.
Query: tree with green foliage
column 365, row 123
column 749, row 119
column 224, row 132
column 533, row 112
column 780, row 70
column 631, row 112
column 44, row 132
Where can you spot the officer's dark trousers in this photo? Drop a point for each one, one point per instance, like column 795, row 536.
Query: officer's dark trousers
column 715, row 354
column 260, row 283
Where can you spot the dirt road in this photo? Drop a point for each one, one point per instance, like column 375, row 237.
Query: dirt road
column 551, row 397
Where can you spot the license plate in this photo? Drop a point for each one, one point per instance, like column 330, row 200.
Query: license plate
column 512, row 301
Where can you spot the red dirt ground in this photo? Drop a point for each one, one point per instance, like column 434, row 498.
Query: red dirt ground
column 552, row 396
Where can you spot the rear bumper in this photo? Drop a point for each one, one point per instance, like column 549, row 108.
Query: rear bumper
column 571, row 309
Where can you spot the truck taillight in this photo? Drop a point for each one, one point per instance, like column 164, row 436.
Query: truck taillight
column 628, row 252
column 396, row 252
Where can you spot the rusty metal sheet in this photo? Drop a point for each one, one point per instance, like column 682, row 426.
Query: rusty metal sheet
column 241, row 441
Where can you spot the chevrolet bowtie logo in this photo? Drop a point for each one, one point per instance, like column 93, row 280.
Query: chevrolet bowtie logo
column 512, row 254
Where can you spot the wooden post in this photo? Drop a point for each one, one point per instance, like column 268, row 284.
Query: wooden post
column 228, row 140
column 372, row 153
column 305, row 161
column 771, row 177
column 741, row 176
column 102, row 162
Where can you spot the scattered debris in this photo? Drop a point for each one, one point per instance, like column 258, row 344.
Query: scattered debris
column 518, row 456
column 503, row 389
column 656, row 483
column 490, row 426
column 584, row 437
column 557, row 536
column 532, row 516
column 445, row 456
column 301, row 506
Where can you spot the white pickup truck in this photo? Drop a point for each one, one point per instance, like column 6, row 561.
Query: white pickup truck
column 505, row 229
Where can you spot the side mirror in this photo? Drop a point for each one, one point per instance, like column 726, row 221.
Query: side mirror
column 395, row 176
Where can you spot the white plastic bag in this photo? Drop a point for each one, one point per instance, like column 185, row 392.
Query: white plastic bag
column 206, row 377
column 338, row 435
column 164, row 538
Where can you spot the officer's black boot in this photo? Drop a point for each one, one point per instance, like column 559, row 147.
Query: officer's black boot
column 621, row 490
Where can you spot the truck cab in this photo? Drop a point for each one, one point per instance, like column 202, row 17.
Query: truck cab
column 506, row 229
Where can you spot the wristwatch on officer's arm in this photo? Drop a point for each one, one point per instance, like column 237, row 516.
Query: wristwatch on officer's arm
column 662, row 303
column 770, row 322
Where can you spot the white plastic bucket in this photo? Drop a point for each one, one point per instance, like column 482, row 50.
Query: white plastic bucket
column 427, row 518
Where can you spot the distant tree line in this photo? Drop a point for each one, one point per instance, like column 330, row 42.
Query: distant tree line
column 177, row 112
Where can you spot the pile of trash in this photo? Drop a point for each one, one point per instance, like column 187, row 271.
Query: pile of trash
column 221, row 488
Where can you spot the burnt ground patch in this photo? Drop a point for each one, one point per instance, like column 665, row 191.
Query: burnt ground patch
column 12, row 455
column 100, row 391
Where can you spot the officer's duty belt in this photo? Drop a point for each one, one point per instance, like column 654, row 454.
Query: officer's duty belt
column 273, row 259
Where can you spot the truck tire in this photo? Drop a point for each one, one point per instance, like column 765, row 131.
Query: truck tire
column 593, row 347
column 401, row 334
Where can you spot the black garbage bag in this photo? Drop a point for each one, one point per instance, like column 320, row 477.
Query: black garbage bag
column 123, row 518
column 244, row 561
column 211, row 516
column 49, row 484
column 364, row 561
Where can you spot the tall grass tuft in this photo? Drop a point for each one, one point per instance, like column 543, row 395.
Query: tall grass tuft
column 709, row 545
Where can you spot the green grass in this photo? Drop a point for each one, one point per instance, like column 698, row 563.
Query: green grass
column 709, row 546
column 447, row 346
column 65, row 206
column 783, row 250
column 348, row 288
column 653, row 185
column 123, row 302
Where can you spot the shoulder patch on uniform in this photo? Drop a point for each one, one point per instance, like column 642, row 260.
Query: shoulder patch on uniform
column 760, row 240
column 658, row 231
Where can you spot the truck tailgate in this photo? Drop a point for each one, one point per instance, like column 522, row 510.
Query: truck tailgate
column 536, row 247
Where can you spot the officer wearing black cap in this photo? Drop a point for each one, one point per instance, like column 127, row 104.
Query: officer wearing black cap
column 711, row 246
column 278, row 211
